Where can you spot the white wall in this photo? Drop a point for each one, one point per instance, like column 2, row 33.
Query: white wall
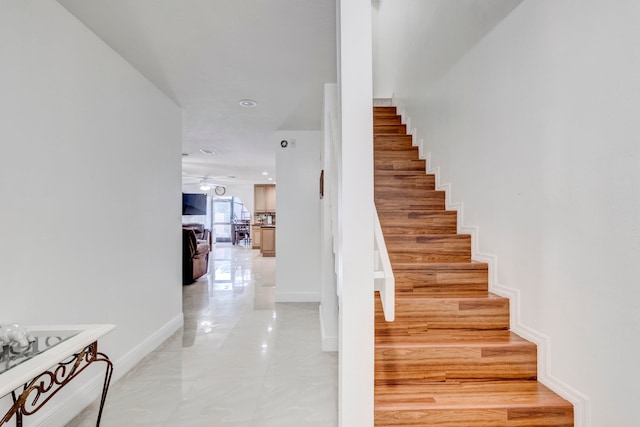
column 89, row 187
column 328, row 222
column 355, row 206
column 537, row 131
column 446, row 30
column 298, row 216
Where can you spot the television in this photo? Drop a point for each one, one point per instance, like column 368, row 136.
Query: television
column 194, row 204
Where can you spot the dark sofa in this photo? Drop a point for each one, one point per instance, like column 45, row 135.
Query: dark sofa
column 195, row 256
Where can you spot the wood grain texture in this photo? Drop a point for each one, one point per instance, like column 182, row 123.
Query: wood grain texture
column 428, row 200
column 382, row 111
column 425, row 222
column 447, row 312
column 428, row 248
column 389, row 129
column 392, row 142
column 401, row 180
column 399, row 165
column 408, row 153
column 389, row 119
column 514, row 403
column 448, row 359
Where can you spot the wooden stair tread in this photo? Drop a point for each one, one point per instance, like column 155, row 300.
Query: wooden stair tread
column 471, row 265
column 386, row 142
column 389, row 129
column 428, row 247
column 384, row 109
column 484, row 296
column 411, row 195
column 451, row 338
column 467, row 394
column 418, row 313
column 448, row 278
column 383, row 173
column 454, row 293
column 407, row 222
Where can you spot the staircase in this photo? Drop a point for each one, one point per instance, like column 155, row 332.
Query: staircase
column 449, row 358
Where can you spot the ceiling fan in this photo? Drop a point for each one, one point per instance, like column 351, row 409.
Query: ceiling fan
column 206, row 183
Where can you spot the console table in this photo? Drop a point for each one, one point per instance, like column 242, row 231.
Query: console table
column 59, row 354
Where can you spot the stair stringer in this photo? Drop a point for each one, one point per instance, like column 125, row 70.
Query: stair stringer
column 581, row 402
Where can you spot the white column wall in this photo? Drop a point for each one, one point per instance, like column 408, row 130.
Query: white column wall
column 536, row 128
column 89, row 189
column 298, row 216
column 328, row 215
column 355, row 196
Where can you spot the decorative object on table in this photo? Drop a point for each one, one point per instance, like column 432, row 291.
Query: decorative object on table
column 15, row 336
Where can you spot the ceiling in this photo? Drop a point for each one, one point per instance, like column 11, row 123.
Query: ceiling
column 207, row 55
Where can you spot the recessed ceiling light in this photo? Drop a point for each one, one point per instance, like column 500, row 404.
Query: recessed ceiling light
column 248, row 103
column 207, row 151
column 270, row 179
column 265, row 173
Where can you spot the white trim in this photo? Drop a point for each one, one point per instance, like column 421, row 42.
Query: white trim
column 329, row 343
column 67, row 406
column 581, row 403
column 297, row 297
column 136, row 354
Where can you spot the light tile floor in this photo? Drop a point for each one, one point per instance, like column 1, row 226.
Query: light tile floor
column 240, row 361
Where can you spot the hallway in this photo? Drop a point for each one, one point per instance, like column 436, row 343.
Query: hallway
column 242, row 360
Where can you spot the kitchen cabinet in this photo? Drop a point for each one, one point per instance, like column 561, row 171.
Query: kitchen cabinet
column 264, row 198
column 259, row 204
column 256, row 235
column 270, row 198
column 268, row 241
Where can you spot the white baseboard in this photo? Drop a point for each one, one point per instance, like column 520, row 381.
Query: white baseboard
column 581, row 403
column 329, row 343
column 67, row 405
column 297, row 296
column 136, row 354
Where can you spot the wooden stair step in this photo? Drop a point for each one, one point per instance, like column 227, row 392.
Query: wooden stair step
column 400, row 165
column 428, row 200
column 381, row 111
column 390, row 129
column 441, row 278
column 429, row 248
column 514, row 403
column 446, row 336
column 400, row 180
column 413, row 362
column 419, row 222
column 410, row 153
column 392, row 142
column 421, row 314
column 388, row 119
column 412, row 219
column 410, row 195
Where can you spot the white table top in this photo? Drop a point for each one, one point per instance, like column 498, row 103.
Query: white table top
column 26, row 371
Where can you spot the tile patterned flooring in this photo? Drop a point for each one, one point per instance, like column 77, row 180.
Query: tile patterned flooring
column 240, row 361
